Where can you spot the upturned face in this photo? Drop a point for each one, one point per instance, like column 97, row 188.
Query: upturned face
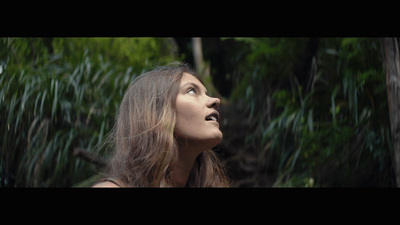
column 197, row 118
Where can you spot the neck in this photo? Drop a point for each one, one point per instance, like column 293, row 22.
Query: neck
column 182, row 168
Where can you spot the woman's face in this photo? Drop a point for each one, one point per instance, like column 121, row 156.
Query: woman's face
column 197, row 119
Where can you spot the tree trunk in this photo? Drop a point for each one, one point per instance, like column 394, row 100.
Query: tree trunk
column 197, row 53
column 203, row 69
column 392, row 67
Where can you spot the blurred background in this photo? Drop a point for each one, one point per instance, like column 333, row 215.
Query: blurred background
column 296, row 112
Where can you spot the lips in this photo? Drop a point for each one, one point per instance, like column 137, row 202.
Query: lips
column 214, row 116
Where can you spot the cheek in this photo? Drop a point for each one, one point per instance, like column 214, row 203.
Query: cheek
column 188, row 118
column 187, row 105
column 185, row 115
column 185, row 110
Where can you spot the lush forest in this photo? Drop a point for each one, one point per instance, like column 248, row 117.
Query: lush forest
column 296, row 112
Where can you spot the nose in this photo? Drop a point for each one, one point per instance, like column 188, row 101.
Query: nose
column 213, row 103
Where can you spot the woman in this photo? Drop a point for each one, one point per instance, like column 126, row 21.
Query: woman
column 165, row 129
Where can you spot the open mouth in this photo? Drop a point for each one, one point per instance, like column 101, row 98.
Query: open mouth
column 214, row 116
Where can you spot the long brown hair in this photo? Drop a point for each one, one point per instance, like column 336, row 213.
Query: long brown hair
column 145, row 145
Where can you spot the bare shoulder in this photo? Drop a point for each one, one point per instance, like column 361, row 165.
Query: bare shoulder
column 111, row 183
column 105, row 184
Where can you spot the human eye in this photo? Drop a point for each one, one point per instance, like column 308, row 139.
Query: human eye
column 191, row 91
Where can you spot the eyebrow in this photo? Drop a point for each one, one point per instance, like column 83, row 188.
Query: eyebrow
column 195, row 86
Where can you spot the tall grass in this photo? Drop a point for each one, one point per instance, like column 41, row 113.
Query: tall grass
column 336, row 133
column 48, row 110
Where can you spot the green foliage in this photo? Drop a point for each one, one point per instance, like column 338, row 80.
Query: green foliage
column 137, row 53
column 58, row 94
column 337, row 133
column 52, row 103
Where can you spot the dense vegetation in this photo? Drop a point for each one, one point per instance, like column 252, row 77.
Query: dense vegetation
column 298, row 112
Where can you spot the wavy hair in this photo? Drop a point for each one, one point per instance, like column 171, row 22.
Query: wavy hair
column 145, row 145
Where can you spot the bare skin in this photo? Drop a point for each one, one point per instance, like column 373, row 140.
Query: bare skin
column 106, row 184
column 197, row 128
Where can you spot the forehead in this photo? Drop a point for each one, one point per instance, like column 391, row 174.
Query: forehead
column 189, row 78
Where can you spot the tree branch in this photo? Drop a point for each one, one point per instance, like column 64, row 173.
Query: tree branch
column 90, row 157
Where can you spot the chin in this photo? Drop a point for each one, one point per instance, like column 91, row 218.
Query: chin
column 215, row 140
column 203, row 141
